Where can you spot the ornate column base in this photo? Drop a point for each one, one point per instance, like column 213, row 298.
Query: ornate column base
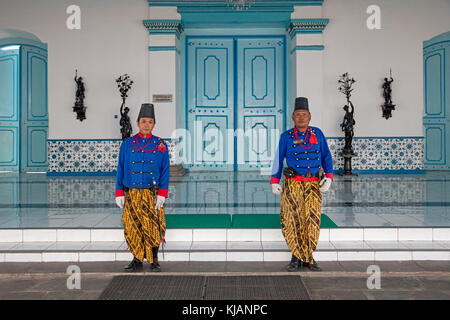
column 348, row 163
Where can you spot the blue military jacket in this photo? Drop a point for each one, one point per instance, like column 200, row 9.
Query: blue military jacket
column 143, row 162
column 302, row 156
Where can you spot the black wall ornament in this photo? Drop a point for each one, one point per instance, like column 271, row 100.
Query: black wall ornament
column 388, row 106
column 79, row 106
column 348, row 123
column 124, row 83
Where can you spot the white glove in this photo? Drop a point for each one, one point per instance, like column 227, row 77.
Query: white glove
column 120, row 201
column 276, row 188
column 159, row 202
column 325, row 184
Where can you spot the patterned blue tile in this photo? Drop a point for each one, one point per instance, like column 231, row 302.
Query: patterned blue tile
column 396, row 153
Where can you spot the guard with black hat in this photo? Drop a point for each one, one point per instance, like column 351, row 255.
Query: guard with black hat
column 307, row 156
column 143, row 170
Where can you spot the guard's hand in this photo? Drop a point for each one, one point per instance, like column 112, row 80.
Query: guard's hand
column 325, row 184
column 276, row 188
column 120, row 201
column 159, row 202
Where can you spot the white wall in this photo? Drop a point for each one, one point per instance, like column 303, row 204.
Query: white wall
column 112, row 41
column 367, row 56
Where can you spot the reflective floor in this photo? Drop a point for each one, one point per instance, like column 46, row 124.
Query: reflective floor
column 367, row 200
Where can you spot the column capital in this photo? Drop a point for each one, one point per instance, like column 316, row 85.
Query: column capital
column 163, row 26
column 306, row 26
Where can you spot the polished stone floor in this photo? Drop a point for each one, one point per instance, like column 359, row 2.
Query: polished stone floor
column 367, row 200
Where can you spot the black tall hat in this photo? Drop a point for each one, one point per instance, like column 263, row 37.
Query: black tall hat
column 301, row 103
column 147, row 111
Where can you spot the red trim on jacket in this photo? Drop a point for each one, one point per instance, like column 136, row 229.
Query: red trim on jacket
column 274, row 180
column 149, row 136
column 119, row 193
column 330, row 175
column 163, row 192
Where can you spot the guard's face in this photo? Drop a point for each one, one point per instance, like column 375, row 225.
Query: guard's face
column 301, row 118
column 145, row 125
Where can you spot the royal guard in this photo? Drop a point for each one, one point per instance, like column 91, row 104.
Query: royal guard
column 142, row 184
column 306, row 151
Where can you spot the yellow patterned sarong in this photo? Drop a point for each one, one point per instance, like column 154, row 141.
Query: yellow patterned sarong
column 144, row 227
column 301, row 204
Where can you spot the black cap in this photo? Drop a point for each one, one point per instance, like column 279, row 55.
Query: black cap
column 147, row 111
column 301, row 103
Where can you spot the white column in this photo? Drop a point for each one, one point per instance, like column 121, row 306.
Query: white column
column 310, row 75
column 163, row 66
column 309, row 61
column 162, row 80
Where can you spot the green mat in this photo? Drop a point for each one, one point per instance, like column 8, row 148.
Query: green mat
column 270, row 221
column 198, row 221
column 244, row 221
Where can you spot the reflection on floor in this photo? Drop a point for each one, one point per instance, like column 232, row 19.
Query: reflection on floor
column 368, row 200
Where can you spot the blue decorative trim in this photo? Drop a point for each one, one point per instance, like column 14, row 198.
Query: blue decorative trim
column 162, row 48
column 314, row 48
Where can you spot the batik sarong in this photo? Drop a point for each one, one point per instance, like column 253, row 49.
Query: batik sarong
column 144, row 227
column 301, row 204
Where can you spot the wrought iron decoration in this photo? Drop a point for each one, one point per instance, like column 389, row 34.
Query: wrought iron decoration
column 79, row 106
column 388, row 106
column 348, row 123
column 124, row 83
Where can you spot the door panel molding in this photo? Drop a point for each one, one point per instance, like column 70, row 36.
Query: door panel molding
column 234, row 84
column 436, row 116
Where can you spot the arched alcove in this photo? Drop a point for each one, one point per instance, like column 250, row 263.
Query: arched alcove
column 23, row 102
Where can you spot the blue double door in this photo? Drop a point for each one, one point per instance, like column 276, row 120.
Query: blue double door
column 23, row 108
column 235, row 101
column 436, row 118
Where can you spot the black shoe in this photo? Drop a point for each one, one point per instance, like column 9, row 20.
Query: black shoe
column 312, row 266
column 294, row 265
column 134, row 265
column 155, row 267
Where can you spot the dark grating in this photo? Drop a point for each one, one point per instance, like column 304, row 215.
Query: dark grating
column 256, row 288
column 147, row 287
